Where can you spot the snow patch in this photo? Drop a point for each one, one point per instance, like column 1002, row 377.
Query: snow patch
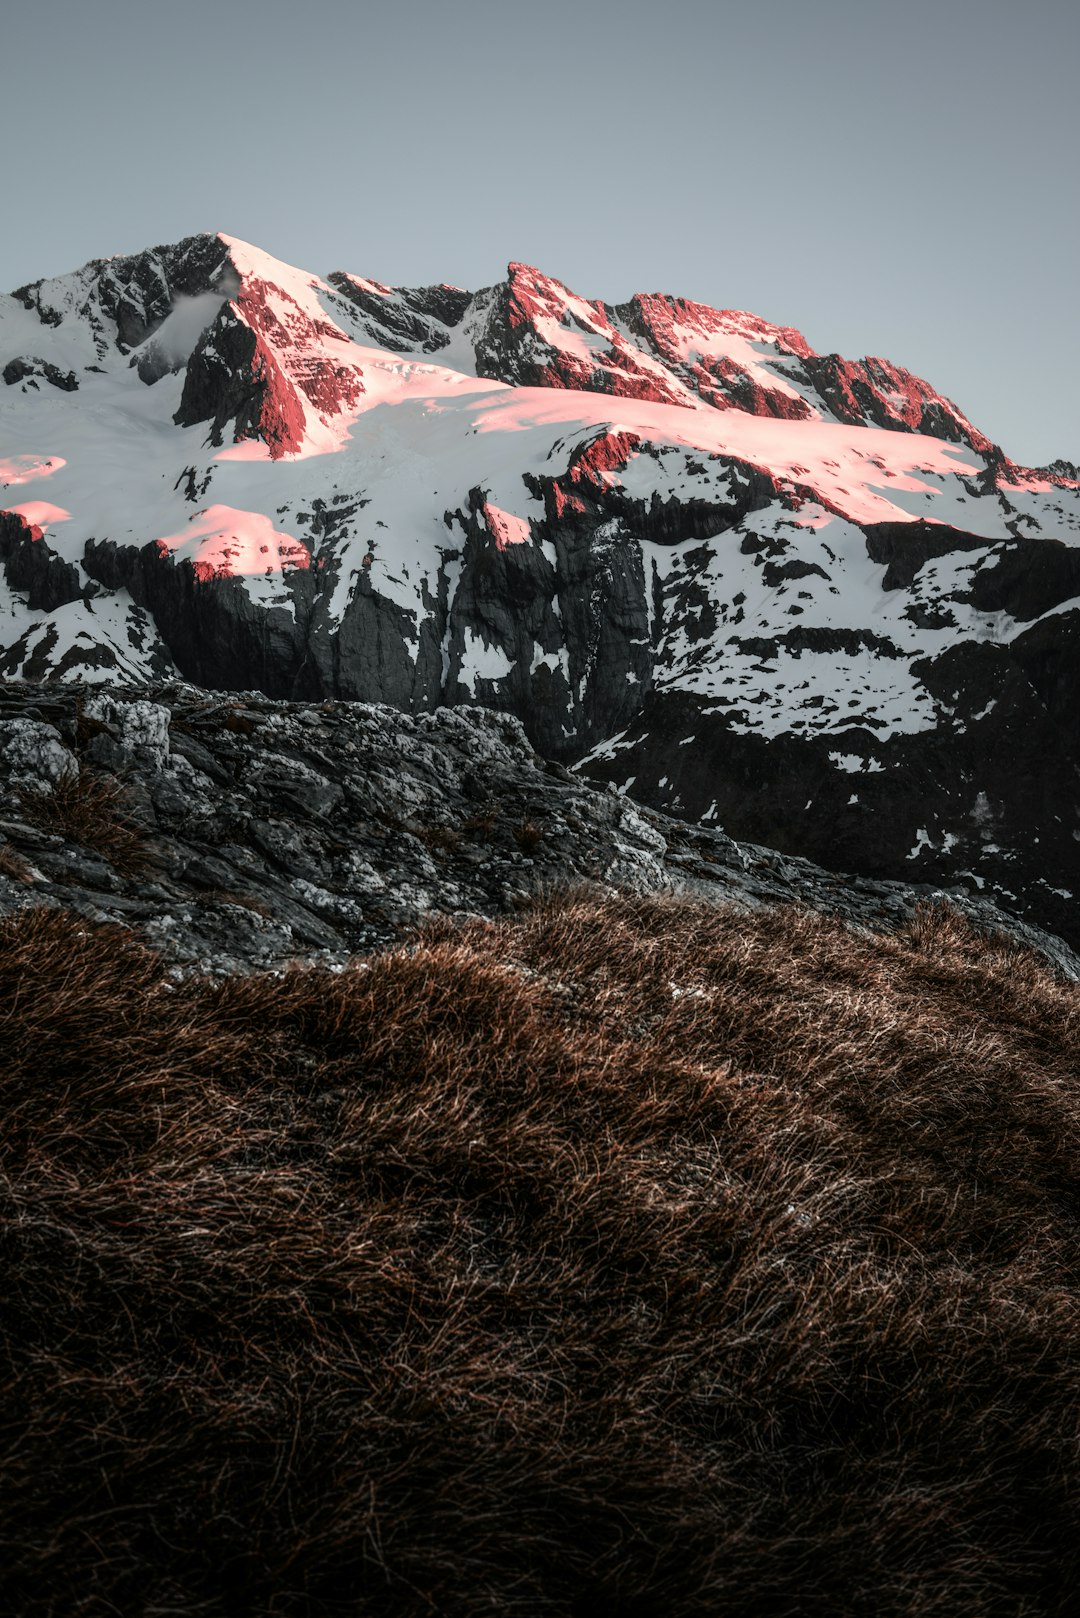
column 479, row 661
column 25, row 468
column 40, row 513
column 223, row 542
column 181, row 329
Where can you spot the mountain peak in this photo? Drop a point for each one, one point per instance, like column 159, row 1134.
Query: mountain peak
column 799, row 594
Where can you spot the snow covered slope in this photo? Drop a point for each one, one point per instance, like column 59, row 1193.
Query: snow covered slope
column 795, row 593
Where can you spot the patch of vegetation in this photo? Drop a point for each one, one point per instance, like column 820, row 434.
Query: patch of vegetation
column 626, row 1258
column 528, row 835
column 91, row 810
column 13, row 865
column 439, row 839
column 483, row 820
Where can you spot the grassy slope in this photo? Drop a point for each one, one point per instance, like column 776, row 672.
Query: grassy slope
column 627, row 1258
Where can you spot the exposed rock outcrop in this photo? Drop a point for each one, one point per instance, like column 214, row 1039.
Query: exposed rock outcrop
column 28, row 372
column 33, row 568
column 237, row 832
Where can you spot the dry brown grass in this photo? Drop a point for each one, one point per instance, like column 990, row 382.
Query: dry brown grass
column 627, row 1259
column 528, row 835
column 90, row 809
column 482, row 820
column 440, row 839
column 13, row 865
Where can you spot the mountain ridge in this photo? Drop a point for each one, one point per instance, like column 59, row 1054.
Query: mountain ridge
column 799, row 596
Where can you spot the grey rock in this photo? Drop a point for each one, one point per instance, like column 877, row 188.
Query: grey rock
column 136, row 735
column 313, row 832
column 32, row 754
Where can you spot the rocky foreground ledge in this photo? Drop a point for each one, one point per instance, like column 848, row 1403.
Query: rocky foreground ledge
column 237, row 833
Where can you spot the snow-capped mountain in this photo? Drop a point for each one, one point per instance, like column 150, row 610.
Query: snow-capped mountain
column 799, row 596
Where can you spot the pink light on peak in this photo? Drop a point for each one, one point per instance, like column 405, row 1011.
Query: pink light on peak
column 223, row 542
column 39, row 513
column 25, row 468
column 505, row 527
column 678, row 325
column 306, row 366
column 846, row 469
column 534, row 294
column 363, row 284
column 1037, row 480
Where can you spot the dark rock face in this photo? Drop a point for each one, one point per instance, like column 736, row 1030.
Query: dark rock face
column 581, row 603
column 136, row 293
column 254, row 833
column 221, row 382
column 1027, row 579
column 27, row 370
column 906, row 546
column 405, row 319
column 217, row 635
column 990, row 799
column 32, row 568
column 139, row 292
column 377, row 654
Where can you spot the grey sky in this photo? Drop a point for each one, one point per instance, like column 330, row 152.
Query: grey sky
column 892, row 179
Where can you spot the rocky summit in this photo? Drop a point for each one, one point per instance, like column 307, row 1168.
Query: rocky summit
column 790, row 595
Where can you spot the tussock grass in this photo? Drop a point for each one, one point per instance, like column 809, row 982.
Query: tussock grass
column 91, row 810
column 627, row 1258
column 528, row 835
column 13, row 865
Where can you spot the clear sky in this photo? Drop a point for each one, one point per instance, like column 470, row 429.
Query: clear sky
column 895, row 179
